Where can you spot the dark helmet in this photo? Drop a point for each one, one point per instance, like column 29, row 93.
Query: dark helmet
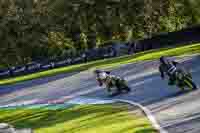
column 97, row 71
column 163, row 60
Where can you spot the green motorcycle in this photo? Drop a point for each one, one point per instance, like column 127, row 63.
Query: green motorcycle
column 184, row 80
column 117, row 86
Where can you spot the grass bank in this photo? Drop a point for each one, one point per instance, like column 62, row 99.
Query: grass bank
column 109, row 118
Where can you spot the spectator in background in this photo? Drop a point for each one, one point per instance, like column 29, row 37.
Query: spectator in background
column 110, row 51
column 113, row 52
column 132, row 47
column 84, row 56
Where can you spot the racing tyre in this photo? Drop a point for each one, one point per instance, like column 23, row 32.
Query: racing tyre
column 190, row 84
column 127, row 89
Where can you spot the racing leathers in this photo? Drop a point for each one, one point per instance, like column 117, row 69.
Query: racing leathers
column 108, row 80
column 169, row 69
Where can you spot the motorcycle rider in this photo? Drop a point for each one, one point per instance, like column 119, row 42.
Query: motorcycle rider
column 168, row 68
column 173, row 69
column 104, row 77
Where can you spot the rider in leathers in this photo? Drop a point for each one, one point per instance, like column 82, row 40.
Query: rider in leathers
column 104, row 77
column 169, row 68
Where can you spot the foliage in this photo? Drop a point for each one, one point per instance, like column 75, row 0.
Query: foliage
column 42, row 29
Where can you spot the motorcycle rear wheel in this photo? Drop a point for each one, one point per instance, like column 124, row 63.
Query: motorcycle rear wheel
column 190, row 84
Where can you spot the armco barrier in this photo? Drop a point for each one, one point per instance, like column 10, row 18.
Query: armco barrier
column 33, row 67
column 46, row 66
column 4, row 73
column 18, row 70
column 77, row 60
column 61, row 63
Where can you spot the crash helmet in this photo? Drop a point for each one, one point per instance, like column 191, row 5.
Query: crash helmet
column 103, row 75
column 97, row 71
column 163, row 60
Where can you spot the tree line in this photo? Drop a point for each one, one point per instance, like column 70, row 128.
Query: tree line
column 47, row 29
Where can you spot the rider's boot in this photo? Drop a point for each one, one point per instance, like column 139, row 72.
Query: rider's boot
column 182, row 88
column 128, row 89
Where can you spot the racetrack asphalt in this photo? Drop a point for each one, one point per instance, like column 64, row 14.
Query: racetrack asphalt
column 175, row 111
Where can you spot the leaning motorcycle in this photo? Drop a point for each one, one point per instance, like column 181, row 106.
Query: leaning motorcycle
column 117, row 87
column 184, row 80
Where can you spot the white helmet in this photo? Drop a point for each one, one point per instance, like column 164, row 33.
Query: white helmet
column 102, row 75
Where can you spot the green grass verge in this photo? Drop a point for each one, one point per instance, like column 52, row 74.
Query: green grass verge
column 1, row 67
column 112, row 62
column 79, row 119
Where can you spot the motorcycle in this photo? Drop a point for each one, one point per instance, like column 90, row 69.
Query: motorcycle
column 117, row 87
column 184, row 80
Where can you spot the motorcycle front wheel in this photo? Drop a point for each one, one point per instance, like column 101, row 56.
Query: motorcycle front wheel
column 113, row 92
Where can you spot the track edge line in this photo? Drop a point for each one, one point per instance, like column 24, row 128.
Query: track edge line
column 147, row 113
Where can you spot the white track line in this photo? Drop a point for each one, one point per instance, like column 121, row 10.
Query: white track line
column 147, row 113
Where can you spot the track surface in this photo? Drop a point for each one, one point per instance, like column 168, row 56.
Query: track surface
column 176, row 112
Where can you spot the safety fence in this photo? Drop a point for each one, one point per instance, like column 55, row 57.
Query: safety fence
column 37, row 66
